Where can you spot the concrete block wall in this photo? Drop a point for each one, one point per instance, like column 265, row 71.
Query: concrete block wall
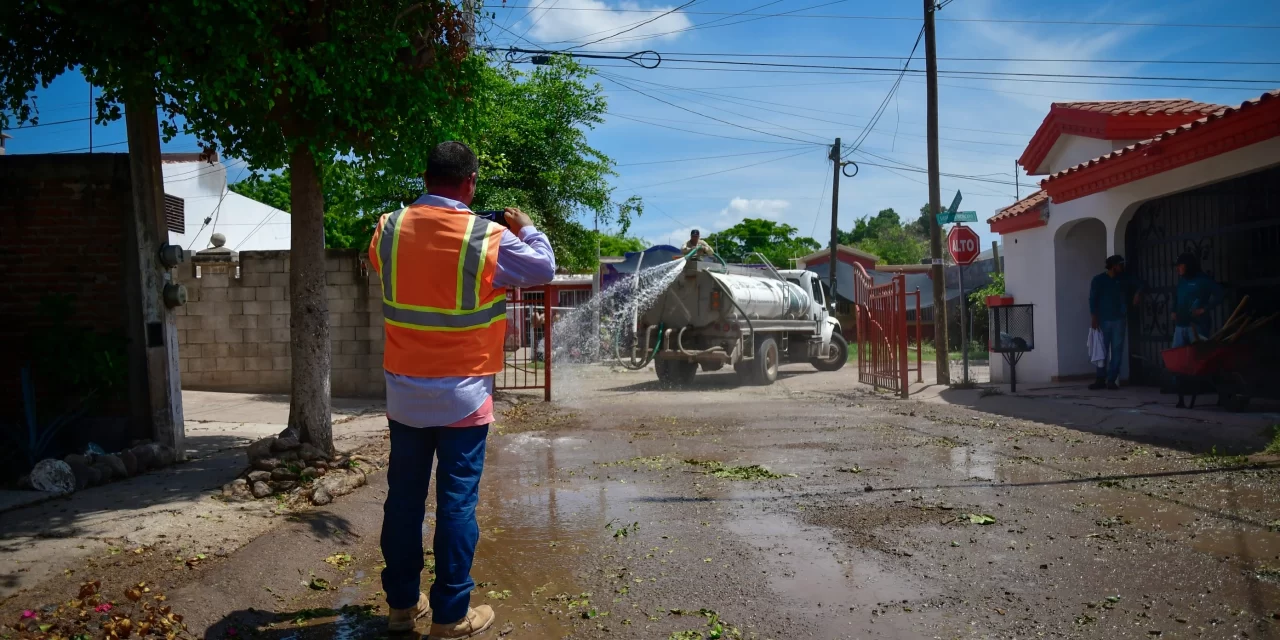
column 234, row 330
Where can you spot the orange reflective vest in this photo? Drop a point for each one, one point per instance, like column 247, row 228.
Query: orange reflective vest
column 443, row 316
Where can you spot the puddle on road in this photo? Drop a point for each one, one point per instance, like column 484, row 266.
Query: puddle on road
column 838, row 593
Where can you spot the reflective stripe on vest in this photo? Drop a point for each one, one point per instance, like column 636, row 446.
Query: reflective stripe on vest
column 467, row 314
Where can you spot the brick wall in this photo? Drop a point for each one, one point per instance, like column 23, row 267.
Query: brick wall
column 234, row 331
column 64, row 225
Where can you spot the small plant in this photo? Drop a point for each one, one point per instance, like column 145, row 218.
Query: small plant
column 1273, row 433
column 1216, row 459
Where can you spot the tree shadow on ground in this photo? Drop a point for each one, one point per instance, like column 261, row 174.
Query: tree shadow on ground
column 351, row 622
column 214, row 461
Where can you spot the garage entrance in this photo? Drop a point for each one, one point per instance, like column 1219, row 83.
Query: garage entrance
column 1234, row 227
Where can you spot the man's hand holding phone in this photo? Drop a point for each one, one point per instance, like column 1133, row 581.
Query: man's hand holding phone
column 517, row 220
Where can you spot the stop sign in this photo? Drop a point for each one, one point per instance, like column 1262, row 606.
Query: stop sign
column 964, row 244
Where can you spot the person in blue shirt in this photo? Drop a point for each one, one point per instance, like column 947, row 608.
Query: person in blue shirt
column 1109, row 296
column 1197, row 295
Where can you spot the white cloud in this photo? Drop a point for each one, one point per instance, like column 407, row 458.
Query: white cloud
column 581, row 21
column 740, row 208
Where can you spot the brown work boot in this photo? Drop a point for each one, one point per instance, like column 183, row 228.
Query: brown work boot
column 478, row 620
column 402, row 620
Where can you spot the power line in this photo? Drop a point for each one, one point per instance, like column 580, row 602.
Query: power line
column 634, row 27
column 818, row 56
column 962, row 72
column 822, row 195
column 535, row 22
column 672, row 104
column 773, row 124
column 954, row 77
column 703, row 133
column 1113, row 23
column 713, row 173
column 711, row 25
column 871, row 124
column 96, row 146
column 731, row 155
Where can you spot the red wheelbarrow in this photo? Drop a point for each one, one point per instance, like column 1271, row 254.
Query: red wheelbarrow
column 1230, row 368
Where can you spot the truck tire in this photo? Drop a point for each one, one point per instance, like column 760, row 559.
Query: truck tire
column 764, row 368
column 837, row 355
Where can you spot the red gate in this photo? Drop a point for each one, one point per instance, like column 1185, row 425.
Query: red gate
column 527, row 347
column 882, row 331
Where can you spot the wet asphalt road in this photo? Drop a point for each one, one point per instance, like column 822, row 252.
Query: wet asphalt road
column 600, row 518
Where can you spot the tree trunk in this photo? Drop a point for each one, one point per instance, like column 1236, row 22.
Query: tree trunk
column 309, row 348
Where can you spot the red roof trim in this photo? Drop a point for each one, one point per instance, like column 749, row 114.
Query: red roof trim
column 1027, row 213
column 1108, row 120
column 1228, row 129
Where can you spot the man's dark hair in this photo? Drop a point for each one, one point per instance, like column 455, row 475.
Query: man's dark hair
column 450, row 163
column 695, row 232
column 1115, row 260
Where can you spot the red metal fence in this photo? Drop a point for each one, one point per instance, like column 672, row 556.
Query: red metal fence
column 882, row 332
column 527, row 348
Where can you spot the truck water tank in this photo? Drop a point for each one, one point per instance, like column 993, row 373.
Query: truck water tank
column 765, row 297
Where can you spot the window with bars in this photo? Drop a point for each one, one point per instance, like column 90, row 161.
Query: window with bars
column 175, row 213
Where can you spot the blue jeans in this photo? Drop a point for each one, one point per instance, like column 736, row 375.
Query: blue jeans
column 460, row 452
column 1113, row 340
column 1182, row 336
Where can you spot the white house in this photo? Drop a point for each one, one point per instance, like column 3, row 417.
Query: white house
column 195, row 188
column 1148, row 179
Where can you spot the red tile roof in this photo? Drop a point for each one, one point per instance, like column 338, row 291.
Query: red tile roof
column 1025, row 205
column 1142, row 107
column 1215, row 116
column 1108, row 120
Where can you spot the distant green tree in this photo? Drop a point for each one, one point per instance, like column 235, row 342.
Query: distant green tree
column 887, row 237
column 616, row 244
column 776, row 241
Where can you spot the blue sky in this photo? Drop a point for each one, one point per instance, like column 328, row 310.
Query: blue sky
column 778, row 118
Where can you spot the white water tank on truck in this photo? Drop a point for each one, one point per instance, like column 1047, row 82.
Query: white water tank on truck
column 764, row 297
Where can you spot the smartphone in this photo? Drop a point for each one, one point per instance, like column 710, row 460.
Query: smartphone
column 498, row 216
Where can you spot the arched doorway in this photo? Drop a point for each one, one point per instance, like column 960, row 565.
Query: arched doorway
column 1079, row 253
column 1234, row 227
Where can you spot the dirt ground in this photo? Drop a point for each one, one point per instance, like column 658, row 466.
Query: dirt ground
column 625, row 510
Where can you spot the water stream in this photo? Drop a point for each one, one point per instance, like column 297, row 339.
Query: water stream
column 588, row 334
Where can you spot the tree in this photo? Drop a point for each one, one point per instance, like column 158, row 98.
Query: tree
column 778, row 242
column 528, row 131
column 888, row 238
column 616, row 244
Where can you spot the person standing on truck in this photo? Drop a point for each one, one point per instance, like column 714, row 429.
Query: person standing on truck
column 1109, row 296
column 697, row 246
column 444, row 275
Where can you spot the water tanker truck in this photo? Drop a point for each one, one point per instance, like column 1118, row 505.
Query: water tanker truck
column 714, row 315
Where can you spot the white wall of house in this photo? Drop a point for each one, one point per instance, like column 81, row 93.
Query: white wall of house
column 1070, row 150
column 1050, row 266
column 247, row 224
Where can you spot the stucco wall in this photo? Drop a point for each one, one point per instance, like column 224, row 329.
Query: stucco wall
column 1030, row 256
column 1080, row 252
column 1070, row 151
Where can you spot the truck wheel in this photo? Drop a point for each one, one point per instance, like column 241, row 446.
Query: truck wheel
column 837, row 355
column 765, row 365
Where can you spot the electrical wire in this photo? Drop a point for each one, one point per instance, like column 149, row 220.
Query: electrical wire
column 731, row 155
column 96, row 146
column 710, row 25
column 875, row 119
column 711, row 54
column 672, row 104
column 702, row 133
column 713, row 173
column 1113, row 23
column 634, row 27
column 822, row 195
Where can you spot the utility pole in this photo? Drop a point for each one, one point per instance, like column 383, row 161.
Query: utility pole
column 835, row 210
column 469, row 18
column 941, row 346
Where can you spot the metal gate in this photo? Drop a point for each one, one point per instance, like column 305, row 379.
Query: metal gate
column 882, row 331
column 1233, row 226
column 526, row 364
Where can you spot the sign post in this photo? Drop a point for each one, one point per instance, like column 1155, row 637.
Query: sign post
column 964, row 245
